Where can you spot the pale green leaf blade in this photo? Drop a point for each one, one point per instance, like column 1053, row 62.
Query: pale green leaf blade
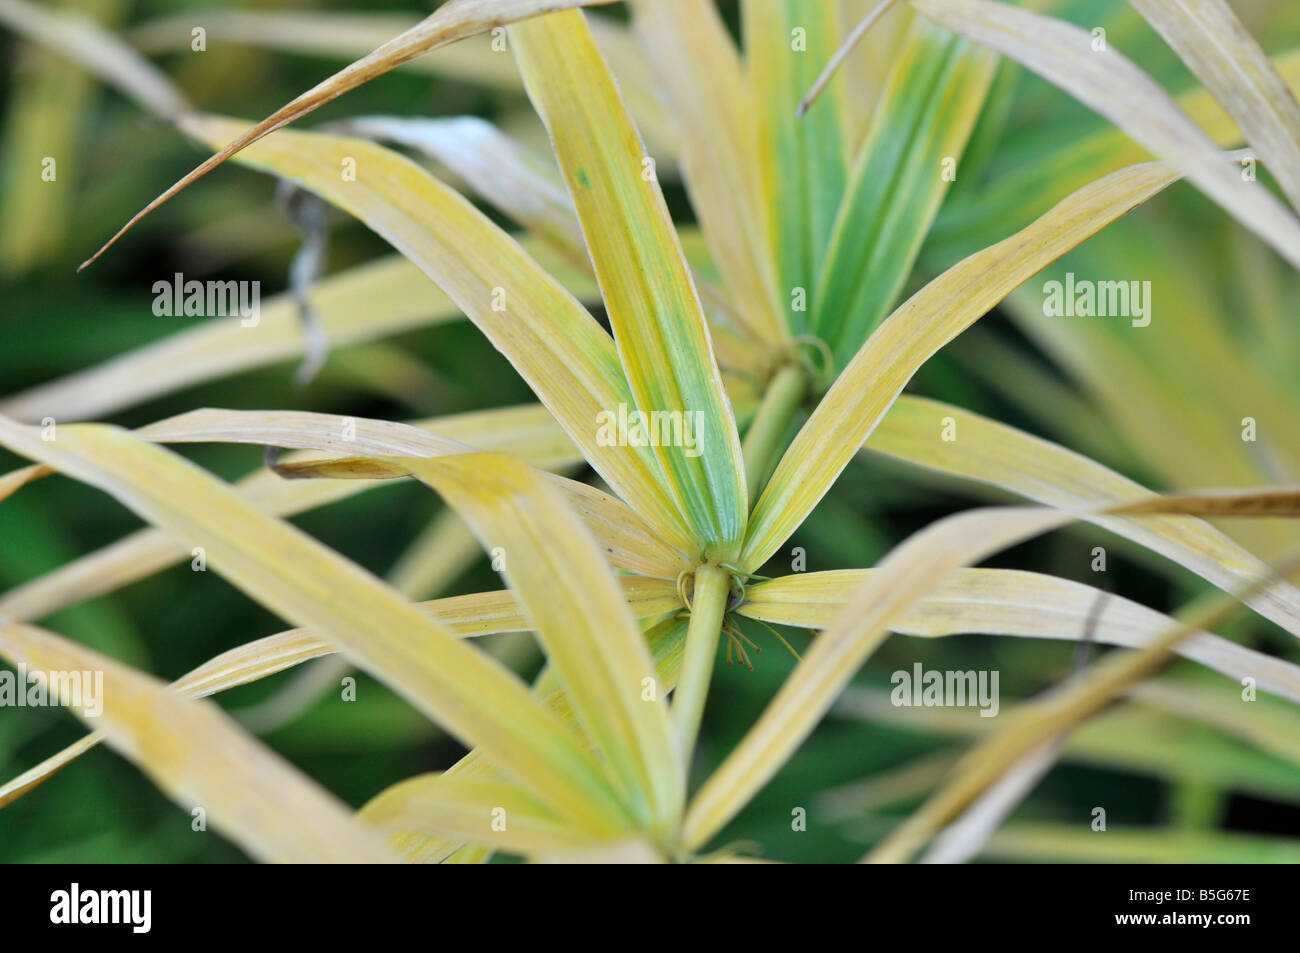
column 1047, row 473
column 1107, row 82
column 1011, row 602
column 1217, row 47
column 471, row 616
column 554, row 343
column 803, row 161
column 580, row 615
column 704, row 84
column 467, row 692
column 624, row 537
column 664, row 640
column 199, row 756
column 527, row 430
column 659, row 326
column 928, row 320
column 929, row 105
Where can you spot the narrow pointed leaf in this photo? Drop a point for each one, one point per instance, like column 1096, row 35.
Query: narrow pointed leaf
column 553, row 342
column 803, row 161
column 624, row 536
column 471, row 616
column 1010, row 602
column 705, row 86
column 664, row 640
column 932, row 97
column 453, row 21
column 201, row 758
column 913, row 333
column 1217, row 47
column 467, row 692
column 663, row 339
column 580, row 615
column 1107, row 82
column 1047, row 473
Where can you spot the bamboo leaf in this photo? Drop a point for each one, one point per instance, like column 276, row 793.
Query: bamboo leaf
column 1047, row 473
column 867, row 70
column 1107, row 82
column 1010, row 602
column 628, row 542
column 557, row 347
column 664, row 640
column 580, row 616
column 659, row 327
column 467, row 692
column 453, row 21
column 525, row 185
column 1215, row 45
column 932, row 97
column 199, row 756
column 704, row 84
column 471, row 616
column 803, row 161
column 472, row 809
column 912, row 334
column 526, row 430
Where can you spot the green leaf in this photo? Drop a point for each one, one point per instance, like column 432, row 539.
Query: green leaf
column 803, row 161
column 931, row 100
column 659, row 326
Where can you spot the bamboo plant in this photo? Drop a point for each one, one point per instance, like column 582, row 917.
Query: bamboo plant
column 776, row 331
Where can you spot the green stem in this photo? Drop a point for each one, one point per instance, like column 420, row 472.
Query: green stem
column 708, row 606
column 765, row 438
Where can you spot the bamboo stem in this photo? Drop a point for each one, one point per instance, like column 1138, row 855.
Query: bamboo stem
column 708, row 606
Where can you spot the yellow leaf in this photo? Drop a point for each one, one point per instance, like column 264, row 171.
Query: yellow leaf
column 580, row 616
column 1104, row 80
column 467, row 692
column 1010, row 602
column 1047, row 473
column 704, row 84
column 659, row 327
column 557, row 347
column 922, row 325
column 198, row 755
column 1215, row 45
